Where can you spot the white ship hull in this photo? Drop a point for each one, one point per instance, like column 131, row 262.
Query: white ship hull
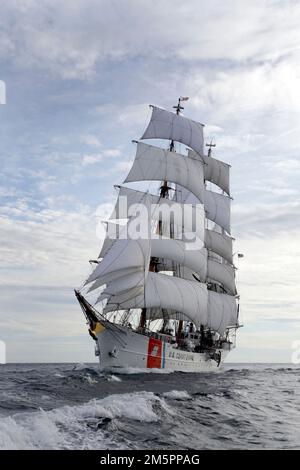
column 118, row 346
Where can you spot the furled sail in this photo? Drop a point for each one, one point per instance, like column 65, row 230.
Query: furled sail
column 157, row 164
column 166, row 125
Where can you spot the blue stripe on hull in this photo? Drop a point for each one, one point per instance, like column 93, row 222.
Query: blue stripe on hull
column 164, row 355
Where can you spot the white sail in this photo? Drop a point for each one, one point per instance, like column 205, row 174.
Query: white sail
column 217, row 206
column 165, row 314
column 156, row 164
column 130, row 298
column 125, row 253
column 166, row 125
column 174, row 252
column 202, row 307
column 219, row 243
column 217, row 209
column 162, row 255
column 189, row 216
column 122, row 283
column 177, row 251
column 222, row 311
column 222, row 273
column 115, row 275
column 162, row 291
column 126, row 294
column 111, row 234
column 215, row 170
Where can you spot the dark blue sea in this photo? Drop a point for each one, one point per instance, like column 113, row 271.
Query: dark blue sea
column 77, row 406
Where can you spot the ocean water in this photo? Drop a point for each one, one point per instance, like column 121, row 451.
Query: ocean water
column 68, row 406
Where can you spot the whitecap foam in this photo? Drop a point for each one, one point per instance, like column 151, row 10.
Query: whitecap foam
column 90, row 379
column 114, row 378
column 177, row 395
column 73, row 427
column 135, row 370
column 80, row 366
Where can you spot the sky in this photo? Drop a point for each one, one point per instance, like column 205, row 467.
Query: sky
column 79, row 76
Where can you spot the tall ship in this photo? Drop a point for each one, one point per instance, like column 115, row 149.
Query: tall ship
column 162, row 293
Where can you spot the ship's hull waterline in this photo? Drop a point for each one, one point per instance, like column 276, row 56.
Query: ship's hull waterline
column 120, row 347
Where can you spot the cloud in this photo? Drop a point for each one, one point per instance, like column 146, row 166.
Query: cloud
column 266, row 220
column 248, row 89
column 80, row 76
column 64, row 37
column 49, row 247
column 90, row 140
column 91, row 159
column 97, row 158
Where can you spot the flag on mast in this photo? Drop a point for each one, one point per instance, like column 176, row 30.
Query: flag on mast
column 184, row 98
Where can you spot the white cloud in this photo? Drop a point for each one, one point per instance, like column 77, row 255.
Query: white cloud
column 248, row 89
column 134, row 115
column 266, row 219
column 239, row 63
column 48, row 247
column 90, row 140
column 268, row 275
column 71, row 38
column 91, row 159
column 97, row 158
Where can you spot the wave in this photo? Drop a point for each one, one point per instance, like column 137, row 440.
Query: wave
column 177, row 395
column 80, row 366
column 85, row 426
column 113, row 378
column 134, row 370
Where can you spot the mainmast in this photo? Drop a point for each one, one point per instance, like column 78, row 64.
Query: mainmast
column 164, row 193
column 164, row 190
